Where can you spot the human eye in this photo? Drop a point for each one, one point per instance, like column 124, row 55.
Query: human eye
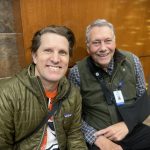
column 96, row 43
column 108, row 41
column 47, row 50
column 63, row 52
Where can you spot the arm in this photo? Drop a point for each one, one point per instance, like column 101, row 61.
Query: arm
column 133, row 120
column 105, row 144
column 87, row 130
column 118, row 131
column 6, row 120
column 100, row 140
column 115, row 132
column 140, row 84
column 75, row 139
column 74, row 76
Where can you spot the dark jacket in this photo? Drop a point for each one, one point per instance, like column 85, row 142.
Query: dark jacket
column 23, row 105
column 97, row 112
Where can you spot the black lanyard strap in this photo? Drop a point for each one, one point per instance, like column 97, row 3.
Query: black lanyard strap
column 56, row 107
column 44, row 121
column 97, row 72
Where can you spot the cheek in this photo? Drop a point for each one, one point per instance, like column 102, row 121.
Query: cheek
column 65, row 60
column 40, row 61
column 113, row 46
column 92, row 50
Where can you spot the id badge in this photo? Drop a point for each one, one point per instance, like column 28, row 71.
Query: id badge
column 118, row 97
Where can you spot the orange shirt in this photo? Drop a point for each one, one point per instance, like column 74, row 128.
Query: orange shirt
column 50, row 95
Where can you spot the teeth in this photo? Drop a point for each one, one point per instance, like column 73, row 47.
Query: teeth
column 102, row 55
column 54, row 68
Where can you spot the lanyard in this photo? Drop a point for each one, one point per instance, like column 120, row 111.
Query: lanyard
column 97, row 72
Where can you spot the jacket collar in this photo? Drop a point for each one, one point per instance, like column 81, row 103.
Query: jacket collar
column 118, row 58
column 33, row 83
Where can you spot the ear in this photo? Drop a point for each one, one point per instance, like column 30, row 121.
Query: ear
column 88, row 50
column 34, row 57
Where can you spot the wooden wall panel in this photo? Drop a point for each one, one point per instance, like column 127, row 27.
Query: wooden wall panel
column 130, row 18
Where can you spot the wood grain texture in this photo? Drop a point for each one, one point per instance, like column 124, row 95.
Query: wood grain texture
column 130, row 18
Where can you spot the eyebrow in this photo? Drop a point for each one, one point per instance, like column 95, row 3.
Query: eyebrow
column 103, row 40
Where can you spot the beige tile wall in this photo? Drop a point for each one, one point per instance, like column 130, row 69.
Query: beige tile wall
column 9, row 63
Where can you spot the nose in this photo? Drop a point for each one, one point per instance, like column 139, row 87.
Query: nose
column 103, row 45
column 55, row 58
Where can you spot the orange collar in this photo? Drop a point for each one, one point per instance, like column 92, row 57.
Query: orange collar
column 52, row 94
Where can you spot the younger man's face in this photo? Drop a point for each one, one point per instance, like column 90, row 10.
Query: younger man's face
column 51, row 58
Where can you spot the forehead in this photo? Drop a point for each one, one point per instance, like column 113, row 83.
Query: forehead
column 101, row 32
column 54, row 39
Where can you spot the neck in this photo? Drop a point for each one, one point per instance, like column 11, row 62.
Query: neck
column 105, row 69
column 50, row 87
column 102, row 67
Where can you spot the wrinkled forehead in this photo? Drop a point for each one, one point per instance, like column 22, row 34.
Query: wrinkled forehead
column 101, row 32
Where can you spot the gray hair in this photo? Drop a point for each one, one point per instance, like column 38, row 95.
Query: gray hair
column 98, row 23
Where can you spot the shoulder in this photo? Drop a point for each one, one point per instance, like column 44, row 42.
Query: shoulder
column 8, row 82
column 131, row 57
column 8, row 88
column 129, row 54
column 126, row 53
column 83, row 61
column 75, row 90
column 74, row 96
column 11, row 85
column 74, row 68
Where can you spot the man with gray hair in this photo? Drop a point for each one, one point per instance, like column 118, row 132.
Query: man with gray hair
column 112, row 85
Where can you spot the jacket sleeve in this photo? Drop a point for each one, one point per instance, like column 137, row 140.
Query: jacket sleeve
column 142, row 99
column 6, row 120
column 74, row 76
column 140, row 84
column 88, row 132
column 143, row 104
column 75, row 139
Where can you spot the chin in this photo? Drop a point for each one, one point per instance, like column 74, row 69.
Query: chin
column 55, row 79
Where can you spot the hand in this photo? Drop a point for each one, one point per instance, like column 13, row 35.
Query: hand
column 114, row 132
column 105, row 144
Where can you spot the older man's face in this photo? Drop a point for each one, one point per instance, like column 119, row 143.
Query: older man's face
column 101, row 45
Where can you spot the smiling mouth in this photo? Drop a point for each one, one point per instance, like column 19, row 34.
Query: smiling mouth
column 54, row 68
column 102, row 55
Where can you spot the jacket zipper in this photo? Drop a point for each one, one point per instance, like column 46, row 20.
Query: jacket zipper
column 46, row 108
column 114, row 76
column 55, row 130
column 39, row 146
column 42, row 92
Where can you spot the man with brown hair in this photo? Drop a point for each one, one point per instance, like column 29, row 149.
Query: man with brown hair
column 39, row 108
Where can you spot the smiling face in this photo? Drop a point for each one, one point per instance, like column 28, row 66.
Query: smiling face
column 101, row 45
column 51, row 59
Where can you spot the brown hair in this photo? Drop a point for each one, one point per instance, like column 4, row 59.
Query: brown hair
column 60, row 30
